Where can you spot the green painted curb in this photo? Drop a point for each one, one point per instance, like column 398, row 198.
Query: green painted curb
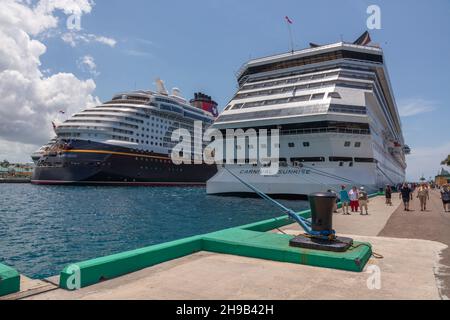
column 100, row 269
column 275, row 247
column 252, row 240
column 9, row 280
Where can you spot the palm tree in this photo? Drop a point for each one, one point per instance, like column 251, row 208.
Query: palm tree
column 4, row 163
column 446, row 162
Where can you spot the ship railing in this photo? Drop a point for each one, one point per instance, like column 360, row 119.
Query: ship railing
column 325, row 130
column 128, row 101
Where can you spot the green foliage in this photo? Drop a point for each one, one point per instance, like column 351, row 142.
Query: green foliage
column 446, row 162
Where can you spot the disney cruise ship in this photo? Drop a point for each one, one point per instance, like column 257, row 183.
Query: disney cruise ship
column 126, row 141
column 337, row 116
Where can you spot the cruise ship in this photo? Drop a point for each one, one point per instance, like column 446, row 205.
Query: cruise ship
column 126, row 141
column 337, row 117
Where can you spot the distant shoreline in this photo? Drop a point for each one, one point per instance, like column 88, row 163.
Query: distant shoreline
column 15, row 180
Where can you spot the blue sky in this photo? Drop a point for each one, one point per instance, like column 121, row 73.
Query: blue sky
column 199, row 45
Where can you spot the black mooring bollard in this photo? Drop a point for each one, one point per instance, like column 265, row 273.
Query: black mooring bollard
column 322, row 208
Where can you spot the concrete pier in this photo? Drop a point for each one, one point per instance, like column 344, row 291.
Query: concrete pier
column 411, row 252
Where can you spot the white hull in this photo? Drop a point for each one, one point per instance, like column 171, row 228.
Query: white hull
column 295, row 181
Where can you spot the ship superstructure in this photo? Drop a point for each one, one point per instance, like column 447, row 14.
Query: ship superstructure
column 337, row 116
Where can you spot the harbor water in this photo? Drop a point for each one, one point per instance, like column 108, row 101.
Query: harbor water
column 43, row 229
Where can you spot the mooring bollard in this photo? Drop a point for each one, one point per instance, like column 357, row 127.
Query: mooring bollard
column 322, row 207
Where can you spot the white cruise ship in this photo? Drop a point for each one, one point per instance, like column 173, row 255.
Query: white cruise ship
column 126, row 141
column 337, row 116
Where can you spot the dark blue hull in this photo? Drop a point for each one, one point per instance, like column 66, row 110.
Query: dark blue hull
column 90, row 163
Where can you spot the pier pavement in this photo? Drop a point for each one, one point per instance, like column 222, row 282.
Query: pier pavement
column 434, row 225
column 411, row 244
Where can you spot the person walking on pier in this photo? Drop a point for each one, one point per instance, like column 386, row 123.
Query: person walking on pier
column 406, row 195
column 335, row 207
column 423, row 194
column 363, row 199
column 445, row 196
column 354, row 204
column 345, row 200
column 388, row 194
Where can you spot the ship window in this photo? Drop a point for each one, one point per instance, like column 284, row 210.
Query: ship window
column 347, row 144
column 306, row 144
column 291, row 145
column 301, row 98
column 318, row 96
column 341, row 159
column 308, row 159
column 357, row 144
column 334, row 95
column 365, row 160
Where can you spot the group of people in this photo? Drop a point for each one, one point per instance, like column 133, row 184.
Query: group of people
column 423, row 194
column 407, row 195
column 354, row 199
column 357, row 200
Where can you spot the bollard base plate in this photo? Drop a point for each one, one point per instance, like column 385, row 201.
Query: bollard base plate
column 340, row 244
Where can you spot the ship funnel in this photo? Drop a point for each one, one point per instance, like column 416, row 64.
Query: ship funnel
column 160, row 88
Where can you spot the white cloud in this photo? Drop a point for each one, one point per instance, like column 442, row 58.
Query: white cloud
column 30, row 98
column 413, row 107
column 74, row 38
column 69, row 7
column 16, row 151
column 87, row 64
column 426, row 161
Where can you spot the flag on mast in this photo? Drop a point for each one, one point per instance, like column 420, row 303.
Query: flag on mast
column 289, row 23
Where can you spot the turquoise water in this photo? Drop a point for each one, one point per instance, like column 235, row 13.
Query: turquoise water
column 43, row 229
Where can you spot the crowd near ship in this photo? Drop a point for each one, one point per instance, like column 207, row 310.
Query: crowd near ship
column 336, row 113
column 126, row 141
